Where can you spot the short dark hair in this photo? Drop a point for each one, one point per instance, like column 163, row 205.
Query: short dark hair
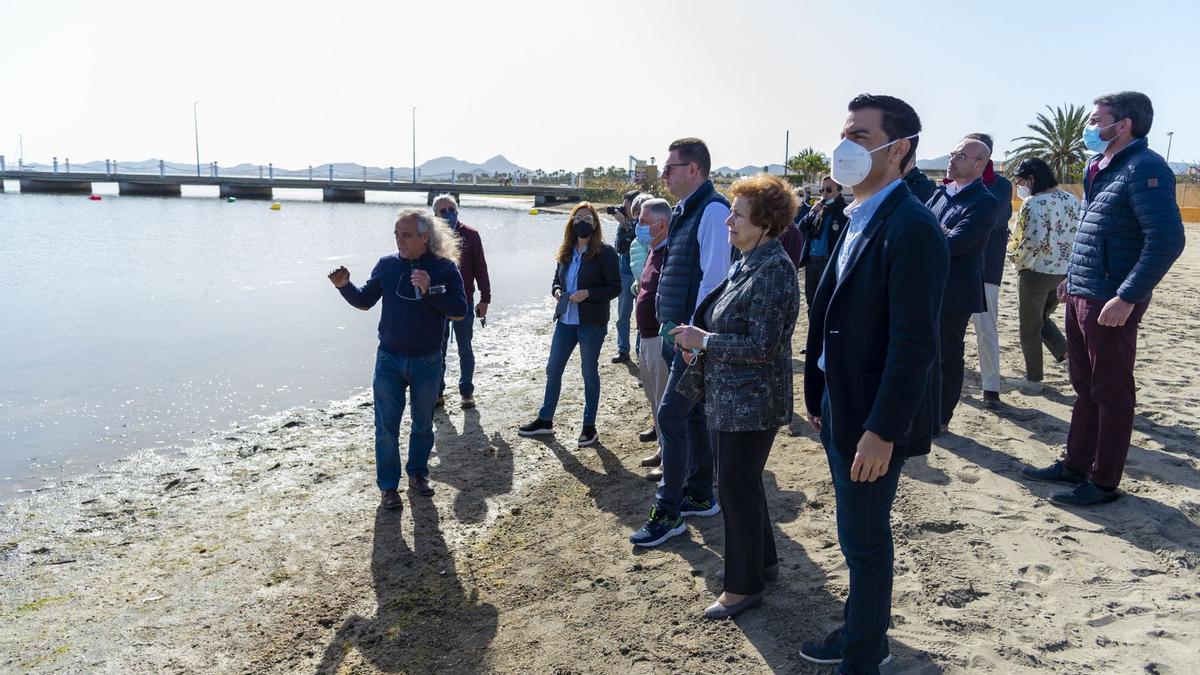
column 982, row 138
column 631, row 195
column 693, row 150
column 1039, row 171
column 1132, row 105
column 835, row 183
column 899, row 119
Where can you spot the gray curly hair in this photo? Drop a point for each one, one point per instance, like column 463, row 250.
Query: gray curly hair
column 442, row 241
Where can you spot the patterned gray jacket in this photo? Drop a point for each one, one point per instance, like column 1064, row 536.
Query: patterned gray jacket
column 745, row 376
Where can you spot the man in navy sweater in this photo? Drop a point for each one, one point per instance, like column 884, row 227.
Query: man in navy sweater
column 967, row 213
column 1129, row 236
column 421, row 288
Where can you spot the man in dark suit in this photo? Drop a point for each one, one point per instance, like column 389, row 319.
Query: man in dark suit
column 870, row 385
column 967, row 212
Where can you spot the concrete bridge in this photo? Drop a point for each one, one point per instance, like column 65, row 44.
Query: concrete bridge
column 332, row 190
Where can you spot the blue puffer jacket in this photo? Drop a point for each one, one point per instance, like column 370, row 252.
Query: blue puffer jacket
column 1130, row 231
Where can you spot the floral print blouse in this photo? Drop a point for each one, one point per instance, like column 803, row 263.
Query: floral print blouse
column 1045, row 232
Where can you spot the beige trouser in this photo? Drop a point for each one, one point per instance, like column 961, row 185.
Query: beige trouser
column 653, row 370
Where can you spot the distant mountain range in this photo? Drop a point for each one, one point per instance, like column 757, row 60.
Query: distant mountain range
column 751, row 170
column 440, row 167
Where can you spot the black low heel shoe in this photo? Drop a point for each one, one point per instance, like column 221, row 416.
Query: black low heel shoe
column 719, row 611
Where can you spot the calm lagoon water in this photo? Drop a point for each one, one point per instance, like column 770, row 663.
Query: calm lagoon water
column 138, row 322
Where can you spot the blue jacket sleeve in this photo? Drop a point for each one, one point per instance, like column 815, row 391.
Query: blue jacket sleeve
column 1152, row 197
column 368, row 294
column 976, row 223
column 452, row 303
column 918, row 262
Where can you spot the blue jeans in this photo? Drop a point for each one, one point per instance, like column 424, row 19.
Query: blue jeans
column 624, row 308
column 396, row 376
column 687, row 459
column 463, row 330
column 864, row 529
column 589, row 337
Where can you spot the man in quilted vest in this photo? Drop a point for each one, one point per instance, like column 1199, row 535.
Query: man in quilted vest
column 1129, row 235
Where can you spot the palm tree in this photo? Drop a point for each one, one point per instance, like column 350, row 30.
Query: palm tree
column 1058, row 141
column 808, row 163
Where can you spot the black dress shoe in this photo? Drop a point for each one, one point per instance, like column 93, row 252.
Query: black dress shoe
column 991, row 399
column 652, row 460
column 390, row 500
column 420, row 484
column 621, row 357
column 719, row 611
column 648, row 436
column 1086, row 494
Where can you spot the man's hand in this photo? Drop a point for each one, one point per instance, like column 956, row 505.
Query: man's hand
column 620, row 218
column 481, row 309
column 1062, row 291
column 872, row 459
column 815, row 423
column 688, row 337
column 340, row 277
column 1115, row 313
column 558, row 294
column 687, row 355
column 420, row 279
column 579, row 296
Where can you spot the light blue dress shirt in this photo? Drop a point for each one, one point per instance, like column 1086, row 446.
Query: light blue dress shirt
column 571, row 316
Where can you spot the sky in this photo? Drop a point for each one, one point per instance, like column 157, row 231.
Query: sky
column 564, row 84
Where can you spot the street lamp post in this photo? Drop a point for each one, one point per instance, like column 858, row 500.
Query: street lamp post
column 414, row 143
column 196, row 129
column 1170, row 138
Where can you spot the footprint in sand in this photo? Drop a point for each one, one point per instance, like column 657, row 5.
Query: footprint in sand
column 968, row 475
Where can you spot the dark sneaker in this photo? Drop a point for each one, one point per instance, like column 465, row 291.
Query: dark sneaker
column 537, row 427
column 648, row 436
column 659, row 527
column 391, row 500
column 420, row 484
column 699, row 507
column 588, row 436
column 1055, row 473
column 1086, row 494
column 991, row 399
column 621, row 357
column 829, row 650
column 468, row 402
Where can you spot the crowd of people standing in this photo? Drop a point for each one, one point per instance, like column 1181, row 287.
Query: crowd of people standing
column 711, row 289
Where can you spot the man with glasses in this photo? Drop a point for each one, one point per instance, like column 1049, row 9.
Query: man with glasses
column 421, row 288
column 966, row 211
column 698, row 257
column 821, row 226
column 473, row 267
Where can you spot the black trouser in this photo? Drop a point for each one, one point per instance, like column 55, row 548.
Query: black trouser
column 812, row 276
column 749, row 541
column 953, row 335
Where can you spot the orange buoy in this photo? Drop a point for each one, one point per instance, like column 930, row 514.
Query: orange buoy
column 95, row 198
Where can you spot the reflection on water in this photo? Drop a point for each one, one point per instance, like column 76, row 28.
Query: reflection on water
column 143, row 322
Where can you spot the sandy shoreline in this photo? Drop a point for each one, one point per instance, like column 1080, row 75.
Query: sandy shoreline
column 263, row 551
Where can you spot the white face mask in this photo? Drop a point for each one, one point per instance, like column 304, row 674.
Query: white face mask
column 1023, row 192
column 850, row 162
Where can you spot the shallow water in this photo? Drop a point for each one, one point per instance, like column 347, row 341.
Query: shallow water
column 138, row 322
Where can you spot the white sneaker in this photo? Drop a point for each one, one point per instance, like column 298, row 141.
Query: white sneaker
column 1026, row 386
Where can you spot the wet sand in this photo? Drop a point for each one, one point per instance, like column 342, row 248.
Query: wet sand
column 263, row 551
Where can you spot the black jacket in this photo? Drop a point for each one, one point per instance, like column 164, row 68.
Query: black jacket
column 967, row 220
column 997, row 246
column 921, row 185
column 600, row 276
column 878, row 331
column 829, row 225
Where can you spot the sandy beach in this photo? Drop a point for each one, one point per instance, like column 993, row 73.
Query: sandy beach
column 263, row 550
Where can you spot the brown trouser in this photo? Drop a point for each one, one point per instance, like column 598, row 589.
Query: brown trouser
column 1037, row 295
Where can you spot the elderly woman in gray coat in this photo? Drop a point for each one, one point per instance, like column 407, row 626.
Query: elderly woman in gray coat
column 740, row 350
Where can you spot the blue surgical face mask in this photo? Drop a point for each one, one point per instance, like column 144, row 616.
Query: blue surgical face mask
column 642, row 232
column 1091, row 137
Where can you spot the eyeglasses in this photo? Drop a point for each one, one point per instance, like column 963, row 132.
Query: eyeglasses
column 584, row 218
column 666, row 168
column 827, row 190
column 960, row 156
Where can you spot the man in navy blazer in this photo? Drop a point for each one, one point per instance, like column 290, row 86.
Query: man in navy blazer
column 967, row 212
column 870, row 385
